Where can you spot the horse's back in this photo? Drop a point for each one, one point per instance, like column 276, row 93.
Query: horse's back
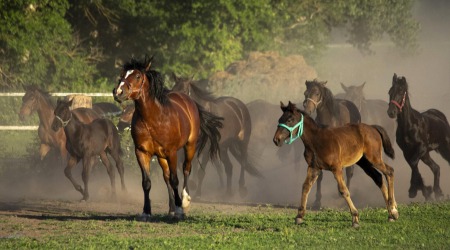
column 85, row 115
column 438, row 126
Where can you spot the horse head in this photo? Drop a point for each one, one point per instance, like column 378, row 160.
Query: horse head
column 63, row 115
column 290, row 125
column 29, row 101
column 397, row 96
column 182, row 84
column 314, row 95
column 354, row 93
column 132, row 80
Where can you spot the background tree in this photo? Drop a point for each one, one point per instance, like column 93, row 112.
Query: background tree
column 60, row 41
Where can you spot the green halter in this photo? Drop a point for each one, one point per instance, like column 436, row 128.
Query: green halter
column 299, row 125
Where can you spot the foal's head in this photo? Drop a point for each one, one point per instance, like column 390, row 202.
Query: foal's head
column 397, row 96
column 290, row 125
column 63, row 115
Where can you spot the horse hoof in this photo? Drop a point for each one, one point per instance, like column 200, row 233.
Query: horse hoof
column 298, row 221
column 394, row 215
column 316, row 206
column 143, row 217
column 355, row 225
column 412, row 193
column 243, row 192
column 427, row 191
column 179, row 214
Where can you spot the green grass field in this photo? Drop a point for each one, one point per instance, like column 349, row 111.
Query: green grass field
column 420, row 226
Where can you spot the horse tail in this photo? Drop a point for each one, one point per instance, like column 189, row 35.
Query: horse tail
column 387, row 145
column 209, row 130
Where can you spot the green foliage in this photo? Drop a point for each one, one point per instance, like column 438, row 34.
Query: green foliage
column 419, row 226
column 58, row 42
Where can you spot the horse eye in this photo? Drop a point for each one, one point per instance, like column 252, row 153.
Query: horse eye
column 138, row 76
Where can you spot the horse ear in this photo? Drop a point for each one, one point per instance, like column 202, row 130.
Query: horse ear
column 344, row 87
column 69, row 103
column 394, row 78
column 149, row 64
column 323, row 83
column 362, row 86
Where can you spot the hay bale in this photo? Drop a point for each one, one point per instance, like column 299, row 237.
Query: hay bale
column 80, row 101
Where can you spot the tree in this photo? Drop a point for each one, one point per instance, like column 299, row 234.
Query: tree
column 38, row 45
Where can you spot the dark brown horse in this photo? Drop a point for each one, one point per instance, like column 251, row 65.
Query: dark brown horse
column 163, row 122
column 87, row 141
column 235, row 134
column 373, row 111
column 37, row 100
column 417, row 135
column 335, row 148
column 331, row 112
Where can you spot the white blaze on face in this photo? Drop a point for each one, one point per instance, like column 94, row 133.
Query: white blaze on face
column 119, row 89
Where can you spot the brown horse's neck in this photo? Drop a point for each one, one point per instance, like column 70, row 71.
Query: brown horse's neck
column 325, row 116
column 310, row 130
column 149, row 109
column 45, row 112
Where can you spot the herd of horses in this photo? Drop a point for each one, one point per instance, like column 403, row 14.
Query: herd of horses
column 177, row 125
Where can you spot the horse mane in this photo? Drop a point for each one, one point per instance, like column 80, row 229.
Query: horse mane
column 328, row 98
column 201, row 93
column 293, row 107
column 157, row 90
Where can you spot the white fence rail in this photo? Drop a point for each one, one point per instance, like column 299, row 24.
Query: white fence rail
column 20, row 94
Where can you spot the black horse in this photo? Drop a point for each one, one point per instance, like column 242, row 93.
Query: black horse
column 332, row 112
column 418, row 134
column 235, row 134
column 87, row 141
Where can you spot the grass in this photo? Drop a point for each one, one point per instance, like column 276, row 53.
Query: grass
column 421, row 226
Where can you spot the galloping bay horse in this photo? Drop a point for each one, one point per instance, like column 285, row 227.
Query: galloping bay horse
column 333, row 149
column 331, row 112
column 163, row 122
column 418, row 134
column 235, row 134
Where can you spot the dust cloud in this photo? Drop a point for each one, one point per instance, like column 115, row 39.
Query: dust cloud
column 428, row 76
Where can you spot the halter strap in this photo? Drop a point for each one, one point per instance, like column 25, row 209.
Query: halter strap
column 299, row 125
column 64, row 123
column 400, row 106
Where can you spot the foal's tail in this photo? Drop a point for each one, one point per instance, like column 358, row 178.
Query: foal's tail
column 387, row 145
column 209, row 129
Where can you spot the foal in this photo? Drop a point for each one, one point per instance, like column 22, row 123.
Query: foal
column 334, row 149
column 85, row 142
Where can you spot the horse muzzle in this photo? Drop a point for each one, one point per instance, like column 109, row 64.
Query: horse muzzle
column 119, row 95
column 392, row 111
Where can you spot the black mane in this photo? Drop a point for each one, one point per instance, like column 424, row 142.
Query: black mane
column 157, row 90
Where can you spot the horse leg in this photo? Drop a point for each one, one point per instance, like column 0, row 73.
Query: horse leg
column 317, row 203
column 119, row 165
column 171, row 179
column 43, row 150
column 242, row 157
column 388, row 173
column 416, row 179
column 349, row 174
column 187, row 165
column 144, row 163
column 111, row 174
column 72, row 162
column 311, row 177
column 88, row 162
column 437, row 174
column 346, row 195
column 228, row 168
column 201, row 174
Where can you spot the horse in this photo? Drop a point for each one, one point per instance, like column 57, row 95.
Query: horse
column 331, row 112
column 235, row 134
column 335, row 148
column 163, row 122
column 87, row 141
column 417, row 134
column 373, row 111
column 106, row 109
column 39, row 101
column 125, row 118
